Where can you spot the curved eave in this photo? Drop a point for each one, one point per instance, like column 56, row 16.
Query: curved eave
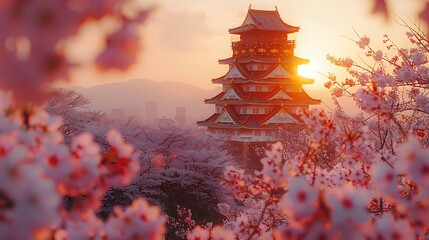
column 292, row 80
column 300, row 80
column 220, row 81
column 228, row 61
column 246, row 28
column 217, row 97
column 263, row 127
column 210, row 119
column 271, row 126
column 260, row 59
column 274, row 102
column 241, row 29
column 218, row 125
column 300, row 61
column 265, row 20
column 304, row 80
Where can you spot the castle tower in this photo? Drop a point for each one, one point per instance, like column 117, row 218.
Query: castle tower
column 262, row 90
column 151, row 112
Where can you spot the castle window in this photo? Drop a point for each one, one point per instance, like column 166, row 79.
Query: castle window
column 256, row 110
column 226, row 119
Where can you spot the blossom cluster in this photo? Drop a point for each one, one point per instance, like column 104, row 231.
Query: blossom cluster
column 359, row 174
column 360, row 177
column 34, row 37
column 37, row 171
column 358, row 198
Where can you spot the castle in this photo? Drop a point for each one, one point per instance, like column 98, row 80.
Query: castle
column 262, row 91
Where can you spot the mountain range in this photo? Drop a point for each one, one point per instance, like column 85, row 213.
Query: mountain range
column 133, row 95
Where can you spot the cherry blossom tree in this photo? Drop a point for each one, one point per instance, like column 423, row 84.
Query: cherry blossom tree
column 375, row 188
column 71, row 106
column 37, row 169
column 178, row 166
column 379, row 174
column 34, row 42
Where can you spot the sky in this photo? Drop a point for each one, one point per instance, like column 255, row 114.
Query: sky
column 183, row 39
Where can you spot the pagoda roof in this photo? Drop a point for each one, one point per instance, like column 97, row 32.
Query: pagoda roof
column 277, row 72
column 263, row 20
column 295, row 81
column 267, row 76
column 227, row 112
column 280, row 95
column 264, row 98
column 250, row 121
column 235, row 72
column 269, row 119
column 262, row 59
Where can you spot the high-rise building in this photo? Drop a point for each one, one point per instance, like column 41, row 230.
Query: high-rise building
column 262, row 90
column 181, row 115
column 151, row 112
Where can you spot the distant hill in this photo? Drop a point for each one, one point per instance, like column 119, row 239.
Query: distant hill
column 133, row 95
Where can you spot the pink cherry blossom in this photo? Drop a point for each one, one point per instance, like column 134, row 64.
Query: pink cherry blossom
column 120, row 161
column 378, row 56
column 390, row 228
column 219, row 233
column 198, row 233
column 33, row 34
column 363, row 42
column 384, row 179
column 380, row 7
column 348, row 205
column 235, row 180
column 406, row 74
column 85, row 170
column 139, row 221
column 414, row 160
column 300, row 202
column 418, row 58
column 328, row 84
column 338, row 92
column 29, row 200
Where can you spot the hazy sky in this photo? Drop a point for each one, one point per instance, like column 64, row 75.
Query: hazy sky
column 184, row 38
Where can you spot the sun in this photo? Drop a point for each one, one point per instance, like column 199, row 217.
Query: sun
column 308, row 70
column 314, row 70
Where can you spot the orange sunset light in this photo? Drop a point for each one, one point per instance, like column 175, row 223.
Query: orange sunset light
column 189, row 36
